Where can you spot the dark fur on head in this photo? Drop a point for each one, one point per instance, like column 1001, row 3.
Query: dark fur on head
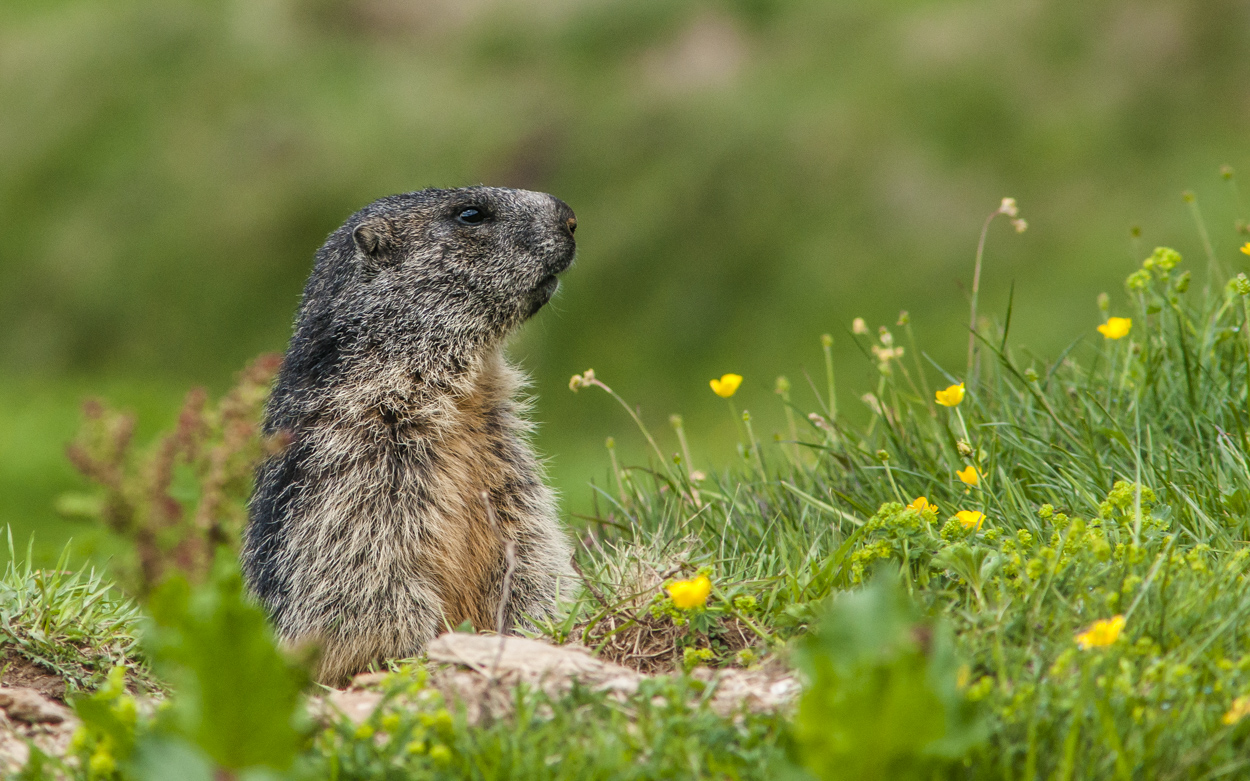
column 369, row 534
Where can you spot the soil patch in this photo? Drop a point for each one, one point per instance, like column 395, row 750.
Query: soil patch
column 20, row 672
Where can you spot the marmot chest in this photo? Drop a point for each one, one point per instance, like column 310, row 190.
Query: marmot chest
column 449, row 488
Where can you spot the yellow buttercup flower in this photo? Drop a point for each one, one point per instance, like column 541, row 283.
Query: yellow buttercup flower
column 1246, row 248
column 951, row 396
column 921, row 504
column 1101, row 633
column 969, row 475
column 688, row 594
column 1241, row 706
column 727, row 385
column 970, row 519
column 1116, row 327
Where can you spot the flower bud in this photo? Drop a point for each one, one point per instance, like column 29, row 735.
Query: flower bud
column 1240, row 285
column 1138, row 280
column 1166, row 258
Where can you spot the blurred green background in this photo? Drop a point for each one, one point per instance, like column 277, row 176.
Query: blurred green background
column 747, row 175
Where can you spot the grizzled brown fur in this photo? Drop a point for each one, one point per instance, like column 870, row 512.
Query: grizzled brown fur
column 369, row 533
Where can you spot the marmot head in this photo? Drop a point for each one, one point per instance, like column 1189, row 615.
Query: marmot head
column 429, row 279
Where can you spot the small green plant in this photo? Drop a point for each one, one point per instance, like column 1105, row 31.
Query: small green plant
column 666, row 730
column 883, row 698
column 236, row 710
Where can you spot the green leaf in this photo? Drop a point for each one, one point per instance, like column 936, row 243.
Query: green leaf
column 158, row 758
column 883, row 700
column 237, row 696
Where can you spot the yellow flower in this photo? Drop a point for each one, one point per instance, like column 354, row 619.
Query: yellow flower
column 1241, row 706
column 921, row 504
column 951, row 396
column 970, row 519
column 1116, row 327
column 692, row 593
column 1246, row 248
column 727, row 385
column 1101, row 633
column 969, row 475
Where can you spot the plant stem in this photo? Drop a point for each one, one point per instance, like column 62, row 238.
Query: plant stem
column 924, row 382
column 976, row 288
column 1215, row 272
column 637, row 420
column 827, row 346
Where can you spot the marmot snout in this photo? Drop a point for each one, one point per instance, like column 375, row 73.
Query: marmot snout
column 370, row 533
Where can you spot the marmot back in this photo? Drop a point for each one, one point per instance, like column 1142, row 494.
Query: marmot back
column 386, row 519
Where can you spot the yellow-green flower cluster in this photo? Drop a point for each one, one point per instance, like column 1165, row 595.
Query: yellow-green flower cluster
column 1163, row 259
column 100, row 747
column 693, row 657
column 1121, row 502
column 865, row 556
column 1160, row 263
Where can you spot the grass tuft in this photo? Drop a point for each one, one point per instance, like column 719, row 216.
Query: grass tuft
column 72, row 624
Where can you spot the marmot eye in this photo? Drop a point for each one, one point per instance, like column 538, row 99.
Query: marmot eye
column 471, row 216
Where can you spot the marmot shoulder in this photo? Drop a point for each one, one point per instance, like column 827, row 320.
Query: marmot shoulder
column 409, row 476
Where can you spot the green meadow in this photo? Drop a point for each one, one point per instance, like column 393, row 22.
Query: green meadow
column 1027, row 567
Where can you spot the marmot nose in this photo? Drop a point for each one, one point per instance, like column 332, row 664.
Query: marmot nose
column 566, row 217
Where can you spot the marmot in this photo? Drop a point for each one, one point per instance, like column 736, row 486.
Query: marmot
column 387, row 517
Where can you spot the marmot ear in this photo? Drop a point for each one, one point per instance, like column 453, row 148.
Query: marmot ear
column 375, row 240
